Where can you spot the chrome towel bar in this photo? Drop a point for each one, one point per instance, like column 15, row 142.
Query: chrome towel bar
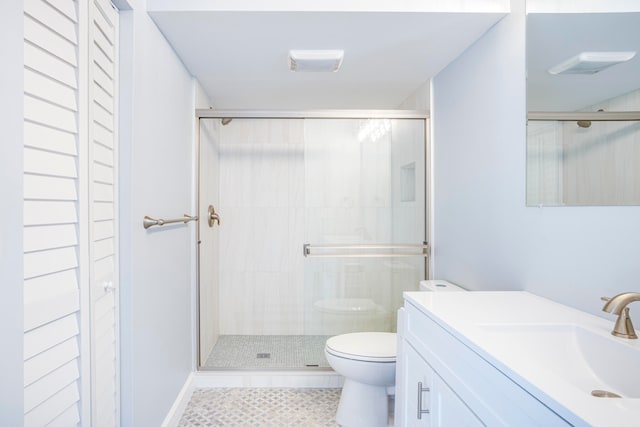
column 338, row 250
column 150, row 222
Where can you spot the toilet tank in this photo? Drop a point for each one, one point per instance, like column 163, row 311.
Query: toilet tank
column 439, row 286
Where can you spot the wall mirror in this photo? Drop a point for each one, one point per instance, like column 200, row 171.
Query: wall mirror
column 583, row 104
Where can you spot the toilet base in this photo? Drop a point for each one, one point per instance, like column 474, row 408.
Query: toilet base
column 363, row 405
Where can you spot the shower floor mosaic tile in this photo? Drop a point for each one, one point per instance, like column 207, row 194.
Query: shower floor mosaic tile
column 268, row 351
column 262, row 407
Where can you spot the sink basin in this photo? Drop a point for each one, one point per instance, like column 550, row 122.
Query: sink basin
column 588, row 360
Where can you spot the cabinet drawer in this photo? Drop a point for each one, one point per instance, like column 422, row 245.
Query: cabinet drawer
column 493, row 397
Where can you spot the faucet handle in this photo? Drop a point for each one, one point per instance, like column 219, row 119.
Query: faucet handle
column 606, row 304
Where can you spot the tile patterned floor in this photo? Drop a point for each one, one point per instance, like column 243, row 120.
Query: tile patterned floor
column 262, row 407
column 284, row 351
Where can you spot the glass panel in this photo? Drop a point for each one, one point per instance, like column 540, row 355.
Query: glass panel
column 255, row 315
column 279, row 183
column 364, row 185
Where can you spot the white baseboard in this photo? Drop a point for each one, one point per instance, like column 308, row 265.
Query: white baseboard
column 284, row 379
column 177, row 409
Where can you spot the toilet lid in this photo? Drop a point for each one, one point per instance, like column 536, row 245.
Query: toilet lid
column 369, row 346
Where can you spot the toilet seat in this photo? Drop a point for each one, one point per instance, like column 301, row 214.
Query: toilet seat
column 380, row 347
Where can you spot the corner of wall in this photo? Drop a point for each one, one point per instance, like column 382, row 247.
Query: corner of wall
column 201, row 98
column 419, row 99
column 180, row 404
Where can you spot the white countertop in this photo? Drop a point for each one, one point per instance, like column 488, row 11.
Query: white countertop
column 496, row 325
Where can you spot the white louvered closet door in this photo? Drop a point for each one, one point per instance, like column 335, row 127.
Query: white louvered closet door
column 52, row 341
column 70, row 346
column 103, row 30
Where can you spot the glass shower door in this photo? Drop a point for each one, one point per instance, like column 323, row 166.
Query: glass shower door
column 364, row 225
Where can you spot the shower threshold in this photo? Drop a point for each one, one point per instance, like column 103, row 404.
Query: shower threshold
column 267, row 352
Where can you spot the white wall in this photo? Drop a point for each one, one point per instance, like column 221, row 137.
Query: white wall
column 485, row 238
column 11, row 169
column 156, row 177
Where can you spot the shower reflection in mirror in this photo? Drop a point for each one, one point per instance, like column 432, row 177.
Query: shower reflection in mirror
column 583, row 103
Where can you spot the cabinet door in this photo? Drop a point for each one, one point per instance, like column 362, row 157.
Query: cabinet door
column 416, row 392
column 447, row 410
column 428, row 399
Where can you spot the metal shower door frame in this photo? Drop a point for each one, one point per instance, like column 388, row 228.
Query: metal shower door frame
column 210, row 113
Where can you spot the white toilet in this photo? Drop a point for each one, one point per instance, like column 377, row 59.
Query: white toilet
column 367, row 360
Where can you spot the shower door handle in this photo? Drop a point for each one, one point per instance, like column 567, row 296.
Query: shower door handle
column 212, row 216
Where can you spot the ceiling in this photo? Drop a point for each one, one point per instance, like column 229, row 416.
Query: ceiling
column 240, row 57
column 555, row 37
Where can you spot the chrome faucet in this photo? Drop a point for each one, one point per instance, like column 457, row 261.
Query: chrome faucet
column 618, row 305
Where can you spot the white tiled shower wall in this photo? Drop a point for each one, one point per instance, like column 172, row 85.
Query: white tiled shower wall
column 262, row 203
column 288, row 182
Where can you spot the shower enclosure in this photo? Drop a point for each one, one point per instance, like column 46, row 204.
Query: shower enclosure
column 312, row 225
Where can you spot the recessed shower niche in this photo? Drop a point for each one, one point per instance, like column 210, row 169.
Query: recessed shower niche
column 322, row 226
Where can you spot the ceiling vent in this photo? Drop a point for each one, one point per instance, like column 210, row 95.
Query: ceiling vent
column 315, row 60
column 591, row 62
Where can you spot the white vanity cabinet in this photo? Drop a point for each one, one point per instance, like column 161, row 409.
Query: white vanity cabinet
column 463, row 388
